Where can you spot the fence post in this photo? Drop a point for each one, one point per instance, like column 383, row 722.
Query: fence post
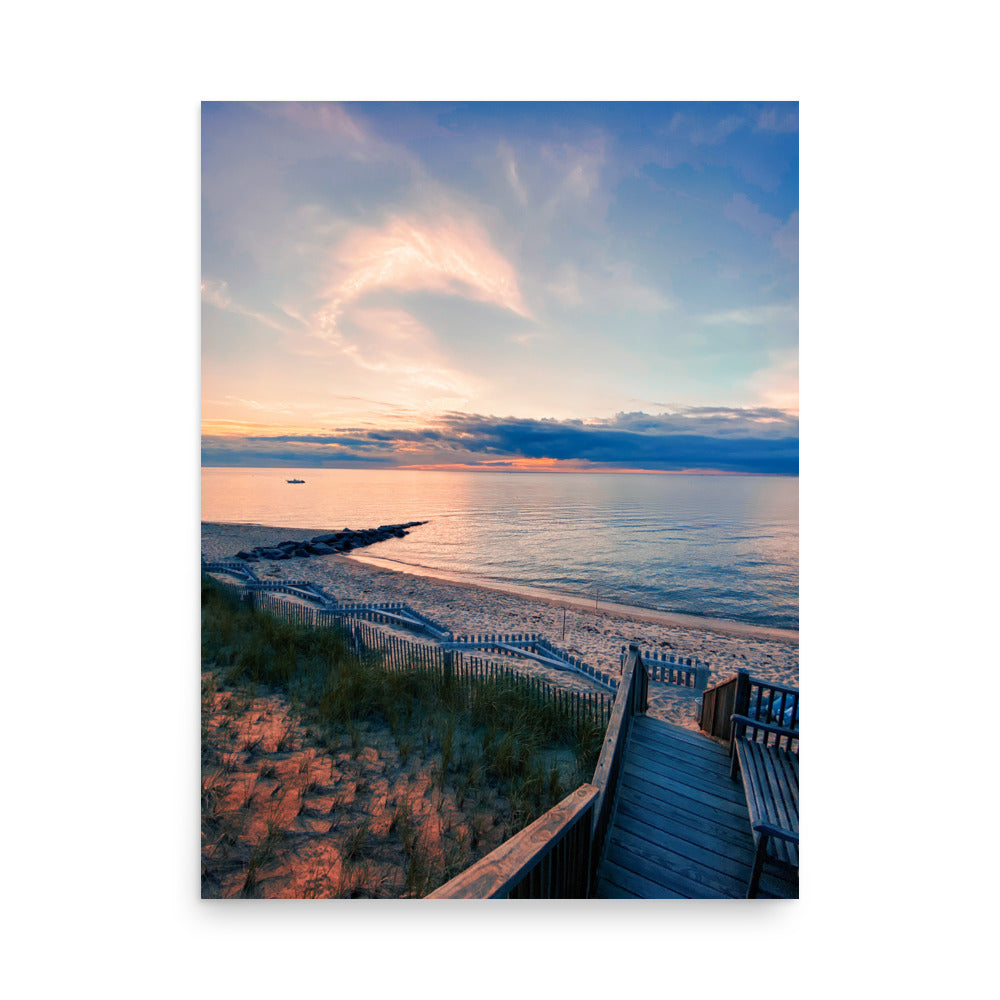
column 447, row 665
column 701, row 677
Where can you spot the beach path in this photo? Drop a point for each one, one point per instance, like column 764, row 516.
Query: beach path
column 681, row 828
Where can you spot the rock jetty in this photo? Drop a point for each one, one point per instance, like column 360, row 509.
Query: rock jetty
column 328, row 544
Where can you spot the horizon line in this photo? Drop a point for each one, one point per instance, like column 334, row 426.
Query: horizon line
column 500, row 471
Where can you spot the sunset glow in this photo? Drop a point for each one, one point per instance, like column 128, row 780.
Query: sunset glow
column 517, row 287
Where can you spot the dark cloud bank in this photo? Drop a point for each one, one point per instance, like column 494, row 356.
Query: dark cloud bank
column 760, row 441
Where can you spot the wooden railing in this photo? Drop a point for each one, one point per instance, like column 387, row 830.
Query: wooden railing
column 718, row 704
column 630, row 701
column 747, row 696
column 550, row 859
column 557, row 856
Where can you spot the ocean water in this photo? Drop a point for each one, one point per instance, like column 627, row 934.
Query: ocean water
column 717, row 546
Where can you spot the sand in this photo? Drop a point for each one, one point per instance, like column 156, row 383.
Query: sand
column 596, row 636
column 284, row 817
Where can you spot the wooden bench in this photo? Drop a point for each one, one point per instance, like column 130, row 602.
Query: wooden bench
column 771, row 783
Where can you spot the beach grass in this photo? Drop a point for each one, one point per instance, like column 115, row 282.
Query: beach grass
column 431, row 773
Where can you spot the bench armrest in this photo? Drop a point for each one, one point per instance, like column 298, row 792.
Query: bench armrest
column 776, row 831
column 745, row 720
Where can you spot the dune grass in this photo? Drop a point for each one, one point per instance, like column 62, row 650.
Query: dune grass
column 499, row 755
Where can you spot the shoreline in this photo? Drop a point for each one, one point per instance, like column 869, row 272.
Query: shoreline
column 652, row 616
column 468, row 607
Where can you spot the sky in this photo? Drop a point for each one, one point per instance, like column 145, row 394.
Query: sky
column 513, row 286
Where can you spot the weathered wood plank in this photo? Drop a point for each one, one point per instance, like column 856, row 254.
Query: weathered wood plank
column 670, row 870
column 774, row 882
column 721, row 857
column 700, row 819
column 711, row 758
column 717, row 706
column 620, row 883
column 501, row 871
column 767, row 772
column 714, row 797
column 676, row 736
column 679, row 755
column 629, row 699
column 769, row 776
column 686, row 773
column 681, row 825
column 660, row 729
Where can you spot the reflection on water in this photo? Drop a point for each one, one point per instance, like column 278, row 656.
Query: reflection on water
column 723, row 546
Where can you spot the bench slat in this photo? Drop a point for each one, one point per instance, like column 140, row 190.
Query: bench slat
column 774, row 776
column 771, row 784
column 781, row 808
column 766, row 816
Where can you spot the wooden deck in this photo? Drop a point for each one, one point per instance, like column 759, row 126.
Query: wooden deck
column 681, row 828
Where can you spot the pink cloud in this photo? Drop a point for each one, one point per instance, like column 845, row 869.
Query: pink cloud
column 449, row 256
column 778, row 384
column 398, row 346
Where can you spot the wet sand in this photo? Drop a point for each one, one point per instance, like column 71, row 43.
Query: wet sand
column 651, row 615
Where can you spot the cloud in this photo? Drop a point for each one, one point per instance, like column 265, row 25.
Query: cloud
column 449, row 256
column 611, row 287
column 255, row 404
column 744, row 212
column 767, row 315
column 220, row 451
column 330, row 119
column 773, row 120
column 509, row 162
column 703, row 132
column 786, row 238
column 576, row 169
column 778, row 384
column 754, row 441
column 392, row 342
column 216, row 293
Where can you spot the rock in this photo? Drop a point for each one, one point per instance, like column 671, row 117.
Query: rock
column 331, row 542
column 334, row 536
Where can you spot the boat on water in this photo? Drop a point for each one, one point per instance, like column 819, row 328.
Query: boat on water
column 294, row 480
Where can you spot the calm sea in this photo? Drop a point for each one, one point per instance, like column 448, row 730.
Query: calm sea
column 719, row 546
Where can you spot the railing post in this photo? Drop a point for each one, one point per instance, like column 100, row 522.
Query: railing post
column 641, row 688
column 701, row 677
column 741, row 702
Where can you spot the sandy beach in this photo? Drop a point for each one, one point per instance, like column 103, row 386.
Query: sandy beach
column 595, row 635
